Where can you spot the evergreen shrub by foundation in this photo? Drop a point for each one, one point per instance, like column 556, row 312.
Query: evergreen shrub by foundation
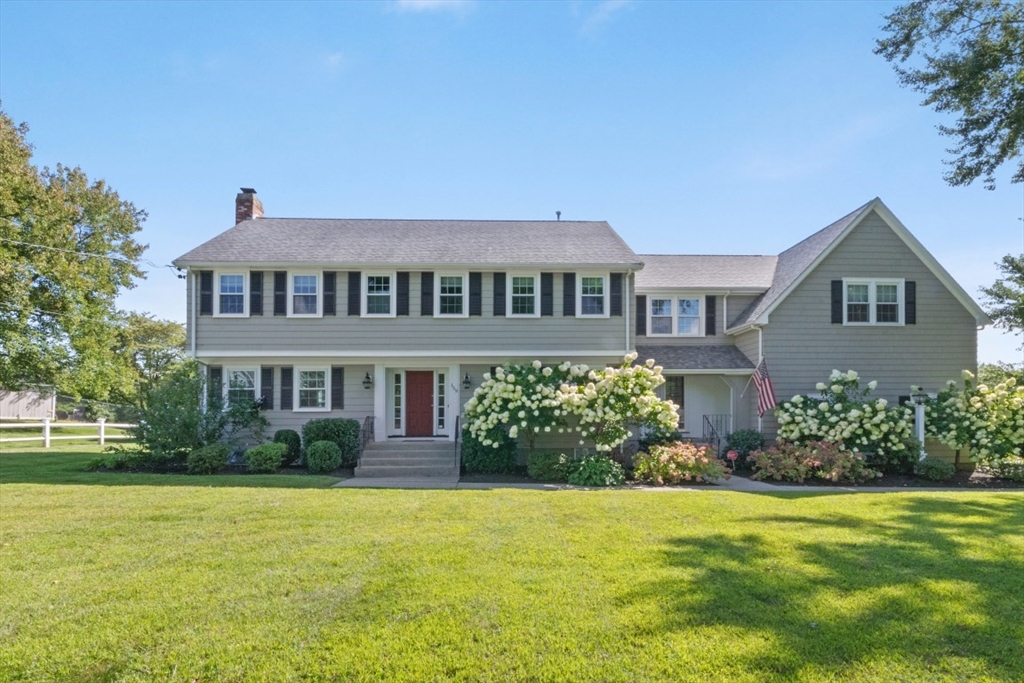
column 323, row 456
column 344, row 433
column 265, row 458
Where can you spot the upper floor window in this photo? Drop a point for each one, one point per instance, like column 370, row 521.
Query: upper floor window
column 380, row 295
column 451, row 295
column 241, row 386
column 593, row 290
column 873, row 302
column 675, row 316
column 231, row 294
column 523, row 295
column 305, row 294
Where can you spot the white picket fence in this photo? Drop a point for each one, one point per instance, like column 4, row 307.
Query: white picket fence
column 48, row 425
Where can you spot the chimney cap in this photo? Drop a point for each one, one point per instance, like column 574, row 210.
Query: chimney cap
column 247, row 190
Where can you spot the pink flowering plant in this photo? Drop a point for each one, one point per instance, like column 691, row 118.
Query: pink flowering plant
column 788, row 461
column 676, row 463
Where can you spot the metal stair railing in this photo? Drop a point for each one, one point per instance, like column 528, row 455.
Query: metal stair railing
column 716, row 428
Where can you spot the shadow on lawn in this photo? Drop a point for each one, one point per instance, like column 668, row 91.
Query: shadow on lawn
column 924, row 586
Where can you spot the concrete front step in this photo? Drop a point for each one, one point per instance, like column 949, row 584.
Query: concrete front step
column 395, row 460
column 406, row 471
column 408, row 460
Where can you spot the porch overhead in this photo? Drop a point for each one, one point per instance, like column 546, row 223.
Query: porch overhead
column 703, row 358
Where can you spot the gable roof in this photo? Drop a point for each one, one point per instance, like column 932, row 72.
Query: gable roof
column 797, row 262
column 663, row 271
column 291, row 241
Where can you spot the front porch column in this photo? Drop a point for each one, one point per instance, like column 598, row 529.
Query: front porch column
column 380, row 403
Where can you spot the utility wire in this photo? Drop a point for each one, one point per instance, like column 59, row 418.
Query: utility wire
column 39, row 311
column 85, row 253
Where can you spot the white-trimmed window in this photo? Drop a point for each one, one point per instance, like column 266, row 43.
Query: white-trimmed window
column 312, row 387
column 304, row 298
column 523, row 296
column 592, row 296
column 873, row 302
column 440, row 403
column 675, row 316
column 379, row 294
column 232, row 290
column 450, row 295
column 241, row 386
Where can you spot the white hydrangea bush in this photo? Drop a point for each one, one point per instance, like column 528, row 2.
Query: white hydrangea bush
column 986, row 420
column 846, row 414
column 529, row 401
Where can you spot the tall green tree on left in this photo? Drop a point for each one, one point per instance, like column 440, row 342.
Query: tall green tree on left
column 67, row 248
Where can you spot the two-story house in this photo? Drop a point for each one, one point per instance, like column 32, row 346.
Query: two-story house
column 398, row 320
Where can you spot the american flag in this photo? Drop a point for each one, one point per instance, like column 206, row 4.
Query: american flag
column 765, row 392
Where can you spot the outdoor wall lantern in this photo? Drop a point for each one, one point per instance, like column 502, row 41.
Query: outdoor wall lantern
column 466, row 381
column 367, row 381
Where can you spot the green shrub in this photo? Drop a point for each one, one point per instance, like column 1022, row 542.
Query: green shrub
column 1009, row 467
column 548, row 466
column 934, row 469
column 323, row 456
column 290, row 438
column 208, row 459
column 342, row 432
column 657, row 436
column 678, row 462
column 819, row 459
column 596, row 470
column 896, row 462
column 743, row 442
column 265, row 458
column 498, row 458
column 132, row 461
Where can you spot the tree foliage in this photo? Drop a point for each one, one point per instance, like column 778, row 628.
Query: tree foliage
column 67, row 249
column 1006, row 296
column 149, row 348
column 967, row 58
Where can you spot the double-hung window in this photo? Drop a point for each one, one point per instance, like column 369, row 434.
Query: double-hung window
column 674, row 315
column 241, row 387
column 450, row 297
column 231, row 294
column 380, row 295
column 305, row 294
column 311, row 390
column 873, row 302
column 522, row 296
column 593, row 290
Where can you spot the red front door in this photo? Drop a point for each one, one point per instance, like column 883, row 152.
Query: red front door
column 419, row 403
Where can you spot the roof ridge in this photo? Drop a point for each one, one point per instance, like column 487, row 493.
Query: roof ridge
column 718, row 255
column 426, row 220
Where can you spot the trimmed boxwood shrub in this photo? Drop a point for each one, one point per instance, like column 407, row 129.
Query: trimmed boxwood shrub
column 341, row 431
column 934, row 469
column 208, row 459
column 480, row 459
column 290, row 438
column 323, row 456
column 548, row 466
column 266, row 457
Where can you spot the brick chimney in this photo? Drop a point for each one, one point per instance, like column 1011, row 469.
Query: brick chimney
column 247, row 205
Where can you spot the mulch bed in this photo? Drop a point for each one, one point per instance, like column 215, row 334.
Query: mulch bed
column 963, row 479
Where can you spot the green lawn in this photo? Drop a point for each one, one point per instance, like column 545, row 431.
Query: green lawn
column 111, row 577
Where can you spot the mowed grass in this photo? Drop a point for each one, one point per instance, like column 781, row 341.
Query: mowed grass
column 111, row 577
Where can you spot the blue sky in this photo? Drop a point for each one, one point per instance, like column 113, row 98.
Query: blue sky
column 725, row 127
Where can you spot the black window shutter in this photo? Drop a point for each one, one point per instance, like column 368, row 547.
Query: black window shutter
column 641, row 315
column 338, row 386
column 499, row 294
column 568, row 294
column 476, row 293
column 837, row 302
column 286, row 388
column 402, row 293
column 280, row 292
column 206, row 292
column 354, row 287
column 215, row 388
column 547, row 293
column 615, row 303
column 427, row 293
column 267, row 386
column 256, row 292
column 330, row 292
column 710, row 315
column 910, row 302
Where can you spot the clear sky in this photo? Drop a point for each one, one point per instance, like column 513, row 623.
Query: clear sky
column 718, row 127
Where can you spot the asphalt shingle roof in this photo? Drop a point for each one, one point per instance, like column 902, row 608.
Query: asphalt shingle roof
column 410, row 242
column 794, row 261
column 705, row 272
column 695, row 357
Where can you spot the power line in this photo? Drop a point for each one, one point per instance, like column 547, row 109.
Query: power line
column 85, row 253
column 39, row 311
